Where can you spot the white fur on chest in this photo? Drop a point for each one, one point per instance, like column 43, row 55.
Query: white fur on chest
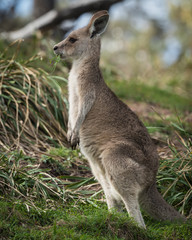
column 74, row 76
column 73, row 81
column 73, row 89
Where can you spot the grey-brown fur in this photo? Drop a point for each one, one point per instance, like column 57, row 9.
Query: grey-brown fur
column 120, row 151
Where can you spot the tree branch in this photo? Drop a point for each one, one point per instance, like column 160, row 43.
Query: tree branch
column 54, row 17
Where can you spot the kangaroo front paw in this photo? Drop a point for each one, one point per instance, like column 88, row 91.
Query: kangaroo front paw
column 74, row 140
column 69, row 134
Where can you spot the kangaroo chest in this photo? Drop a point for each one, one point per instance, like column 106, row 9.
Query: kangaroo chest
column 73, row 87
column 73, row 91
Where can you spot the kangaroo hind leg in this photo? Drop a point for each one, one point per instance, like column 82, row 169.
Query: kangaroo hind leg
column 132, row 205
column 122, row 173
column 129, row 192
column 112, row 197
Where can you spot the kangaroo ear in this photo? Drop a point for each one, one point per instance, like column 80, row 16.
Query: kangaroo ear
column 98, row 23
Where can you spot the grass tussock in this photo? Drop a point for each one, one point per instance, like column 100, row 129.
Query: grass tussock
column 23, row 180
column 52, row 180
column 33, row 112
column 175, row 173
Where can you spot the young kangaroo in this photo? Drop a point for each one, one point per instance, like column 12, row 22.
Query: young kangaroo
column 120, row 151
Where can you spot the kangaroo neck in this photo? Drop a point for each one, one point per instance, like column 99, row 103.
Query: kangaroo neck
column 86, row 69
column 87, row 62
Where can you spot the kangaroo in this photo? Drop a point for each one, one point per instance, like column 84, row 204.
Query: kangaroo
column 117, row 145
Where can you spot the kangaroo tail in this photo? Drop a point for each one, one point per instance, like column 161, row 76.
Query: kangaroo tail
column 154, row 204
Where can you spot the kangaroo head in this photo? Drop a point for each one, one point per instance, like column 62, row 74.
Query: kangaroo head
column 82, row 41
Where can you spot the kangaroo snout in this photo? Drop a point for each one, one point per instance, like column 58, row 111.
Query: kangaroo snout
column 59, row 50
column 56, row 50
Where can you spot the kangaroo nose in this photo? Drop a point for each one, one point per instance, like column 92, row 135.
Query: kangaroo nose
column 55, row 48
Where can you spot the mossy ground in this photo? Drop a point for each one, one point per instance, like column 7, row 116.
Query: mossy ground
column 81, row 221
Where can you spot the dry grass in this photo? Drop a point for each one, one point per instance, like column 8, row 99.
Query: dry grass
column 33, row 114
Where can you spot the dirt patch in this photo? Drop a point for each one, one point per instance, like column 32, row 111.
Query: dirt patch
column 149, row 111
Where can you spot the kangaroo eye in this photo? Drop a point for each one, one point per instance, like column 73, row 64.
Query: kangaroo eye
column 72, row 40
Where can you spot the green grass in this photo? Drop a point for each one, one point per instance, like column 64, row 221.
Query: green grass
column 149, row 94
column 174, row 180
column 81, row 221
column 49, row 177
column 66, row 222
column 133, row 90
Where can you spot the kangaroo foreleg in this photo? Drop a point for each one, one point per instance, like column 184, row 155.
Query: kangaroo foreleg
column 85, row 105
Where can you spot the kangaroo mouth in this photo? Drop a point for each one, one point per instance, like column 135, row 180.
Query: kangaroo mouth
column 62, row 56
column 58, row 52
